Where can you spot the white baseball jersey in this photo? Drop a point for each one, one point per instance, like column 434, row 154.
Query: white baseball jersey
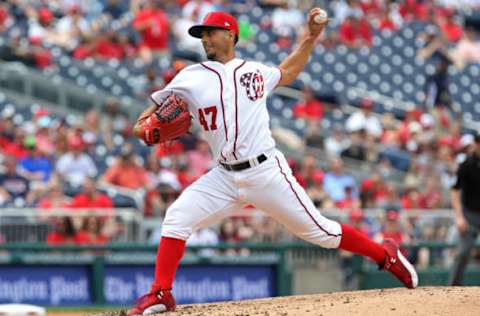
column 228, row 101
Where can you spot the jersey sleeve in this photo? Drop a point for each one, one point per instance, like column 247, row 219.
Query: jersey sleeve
column 271, row 77
column 180, row 85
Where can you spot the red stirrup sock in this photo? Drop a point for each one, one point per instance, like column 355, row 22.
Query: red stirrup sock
column 359, row 243
column 170, row 252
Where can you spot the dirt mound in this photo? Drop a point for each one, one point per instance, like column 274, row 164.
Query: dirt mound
column 429, row 301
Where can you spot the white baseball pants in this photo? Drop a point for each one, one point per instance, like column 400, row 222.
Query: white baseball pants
column 269, row 186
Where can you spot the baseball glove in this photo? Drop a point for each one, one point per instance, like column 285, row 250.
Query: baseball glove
column 170, row 120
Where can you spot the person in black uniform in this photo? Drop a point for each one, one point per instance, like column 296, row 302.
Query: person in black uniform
column 465, row 195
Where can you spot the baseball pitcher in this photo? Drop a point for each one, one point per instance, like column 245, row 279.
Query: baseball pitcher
column 227, row 98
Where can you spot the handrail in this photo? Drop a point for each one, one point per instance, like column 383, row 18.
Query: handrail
column 252, row 246
column 62, row 211
column 373, row 212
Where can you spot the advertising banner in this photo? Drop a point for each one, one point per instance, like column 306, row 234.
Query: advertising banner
column 66, row 285
column 45, row 285
column 193, row 284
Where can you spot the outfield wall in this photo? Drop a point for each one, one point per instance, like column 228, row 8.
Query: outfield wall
column 118, row 274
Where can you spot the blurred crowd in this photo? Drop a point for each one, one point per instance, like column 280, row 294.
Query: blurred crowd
column 426, row 145
column 146, row 29
column 50, row 161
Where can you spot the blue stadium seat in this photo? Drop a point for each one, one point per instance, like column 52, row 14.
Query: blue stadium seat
column 398, row 42
column 352, row 78
column 408, row 33
column 474, row 70
column 89, row 63
column 351, row 58
column 477, row 107
column 107, row 82
column 82, row 80
column 467, row 97
column 316, row 85
column 260, row 56
column 475, row 89
column 420, row 80
column 374, row 60
column 385, row 87
column 386, row 69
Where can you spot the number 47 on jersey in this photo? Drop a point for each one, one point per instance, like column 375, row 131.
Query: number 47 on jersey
column 208, row 113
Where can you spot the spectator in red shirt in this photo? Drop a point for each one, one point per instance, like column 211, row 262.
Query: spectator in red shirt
column 63, row 232
column 153, row 25
column 41, row 55
column 371, row 7
column 85, row 49
column 91, row 232
column 355, row 32
column 126, row 172
column 411, row 199
column 54, row 197
column 4, row 16
column 305, row 175
column 451, row 30
column 387, row 197
column 16, row 148
column 350, row 201
column 175, row 148
column 107, row 47
column 432, row 197
column 11, row 138
column 90, row 197
column 309, row 108
column 413, row 10
column 386, row 22
column 392, row 228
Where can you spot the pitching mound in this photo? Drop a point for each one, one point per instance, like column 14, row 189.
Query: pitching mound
column 422, row 301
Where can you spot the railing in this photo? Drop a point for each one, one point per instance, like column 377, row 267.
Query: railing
column 34, row 224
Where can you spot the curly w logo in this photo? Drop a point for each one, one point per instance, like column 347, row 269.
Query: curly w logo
column 254, row 85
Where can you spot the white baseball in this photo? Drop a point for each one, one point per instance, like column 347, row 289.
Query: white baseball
column 321, row 17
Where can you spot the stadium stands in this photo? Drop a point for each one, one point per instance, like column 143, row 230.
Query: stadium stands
column 73, row 96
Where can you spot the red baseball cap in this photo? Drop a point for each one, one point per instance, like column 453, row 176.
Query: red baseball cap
column 215, row 20
column 45, row 15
